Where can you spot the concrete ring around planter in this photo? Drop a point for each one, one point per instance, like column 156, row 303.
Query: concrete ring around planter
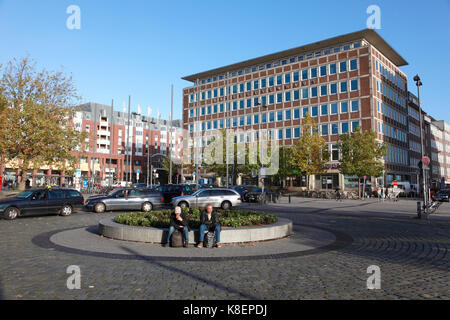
column 110, row 229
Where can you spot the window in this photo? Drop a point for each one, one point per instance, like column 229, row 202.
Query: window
column 323, row 90
column 324, row 129
column 255, row 84
column 272, row 117
column 248, row 86
column 305, row 93
column 304, row 112
column 241, row 104
column 323, row 71
column 344, row 127
column 264, row 118
column 287, row 78
column 271, row 99
column 280, row 133
column 296, row 132
column 324, row 110
column 353, row 64
column 256, row 119
column 241, row 121
column 297, row 113
column 313, row 73
column 55, row 194
column 343, row 86
column 334, row 128
column 287, row 96
column 288, row 133
column 295, row 76
column 234, row 122
column 314, row 111
column 215, row 108
column 355, row 105
column 287, row 115
column 313, row 92
column 333, row 88
column 249, row 103
column 334, row 152
column 354, row 85
column 305, row 74
column 279, row 115
column 221, row 107
column 279, row 79
column 333, row 108
column 333, row 68
column 354, row 125
column 241, row 87
column 271, row 82
column 249, row 120
column 296, row 95
column 279, row 97
column 343, row 66
column 344, row 107
column 263, row 83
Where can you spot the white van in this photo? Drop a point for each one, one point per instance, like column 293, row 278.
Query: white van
column 405, row 187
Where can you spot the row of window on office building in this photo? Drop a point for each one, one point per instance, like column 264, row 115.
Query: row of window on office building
column 286, row 78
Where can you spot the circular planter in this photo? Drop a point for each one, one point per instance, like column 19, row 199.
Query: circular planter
column 110, row 229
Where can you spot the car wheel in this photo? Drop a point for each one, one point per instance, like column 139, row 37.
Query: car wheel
column 183, row 205
column 11, row 213
column 99, row 208
column 226, row 205
column 66, row 211
column 147, row 207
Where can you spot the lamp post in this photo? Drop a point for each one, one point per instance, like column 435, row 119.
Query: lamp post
column 425, row 200
column 257, row 104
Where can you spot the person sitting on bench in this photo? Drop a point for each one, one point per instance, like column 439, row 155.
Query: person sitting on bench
column 179, row 222
column 209, row 220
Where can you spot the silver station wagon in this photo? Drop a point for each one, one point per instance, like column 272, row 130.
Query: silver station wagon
column 218, row 197
column 125, row 199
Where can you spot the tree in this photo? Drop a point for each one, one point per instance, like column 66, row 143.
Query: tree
column 361, row 154
column 310, row 153
column 36, row 125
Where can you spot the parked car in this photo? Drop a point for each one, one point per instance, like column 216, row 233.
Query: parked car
column 139, row 185
column 125, row 199
column 443, row 195
column 256, row 194
column 218, row 197
column 169, row 191
column 42, row 200
column 243, row 191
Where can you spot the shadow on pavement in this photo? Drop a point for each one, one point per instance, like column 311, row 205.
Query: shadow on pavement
column 192, row 276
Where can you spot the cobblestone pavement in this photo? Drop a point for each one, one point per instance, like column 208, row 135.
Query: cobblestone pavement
column 413, row 256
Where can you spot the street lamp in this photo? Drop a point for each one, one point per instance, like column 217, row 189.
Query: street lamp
column 257, row 104
column 148, row 148
column 425, row 201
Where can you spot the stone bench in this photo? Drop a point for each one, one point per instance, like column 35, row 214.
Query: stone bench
column 110, row 229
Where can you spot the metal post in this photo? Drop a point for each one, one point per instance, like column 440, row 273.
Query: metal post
column 94, row 147
column 197, row 174
column 170, row 135
column 128, row 141
column 425, row 200
column 111, row 143
column 227, row 105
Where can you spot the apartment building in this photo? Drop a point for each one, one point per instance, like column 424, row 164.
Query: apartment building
column 343, row 82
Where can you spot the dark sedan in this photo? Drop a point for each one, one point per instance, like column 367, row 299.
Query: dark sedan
column 257, row 195
column 243, row 191
column 38, row 201
column 125, row 199
column 170, row 191
column 443, row 195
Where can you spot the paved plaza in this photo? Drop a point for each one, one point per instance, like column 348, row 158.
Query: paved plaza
column 327, row 257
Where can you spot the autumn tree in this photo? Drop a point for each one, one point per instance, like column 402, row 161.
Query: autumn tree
column 36, row 124
column 309, row 153
column 361, row 154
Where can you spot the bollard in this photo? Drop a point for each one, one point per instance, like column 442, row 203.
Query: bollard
column 419, row 209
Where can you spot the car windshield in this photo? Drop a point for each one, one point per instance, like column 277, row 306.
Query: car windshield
column 25, row 194
column 113, row 192
column 196, row 192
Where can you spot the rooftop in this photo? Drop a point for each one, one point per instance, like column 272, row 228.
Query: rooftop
column 368, row 34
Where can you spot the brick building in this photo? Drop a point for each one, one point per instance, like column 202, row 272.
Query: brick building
column 343, row 82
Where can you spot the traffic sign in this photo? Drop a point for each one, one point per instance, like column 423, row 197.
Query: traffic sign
column 395, row 183
column 138, row 171
column 425, row 160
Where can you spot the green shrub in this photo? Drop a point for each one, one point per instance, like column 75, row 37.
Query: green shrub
column 233, row 218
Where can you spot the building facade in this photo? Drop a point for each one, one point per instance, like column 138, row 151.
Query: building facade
column 117, row 151
column 343, row 82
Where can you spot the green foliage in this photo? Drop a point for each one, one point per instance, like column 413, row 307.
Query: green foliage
column 229, row 218
column 361, row 153
column 310, row 152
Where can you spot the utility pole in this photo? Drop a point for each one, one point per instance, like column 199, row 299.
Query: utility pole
column 170, row 135
column 111, row 132
column 94, row 145
column 425, row 200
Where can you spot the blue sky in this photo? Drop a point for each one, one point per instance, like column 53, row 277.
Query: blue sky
column 140, row 48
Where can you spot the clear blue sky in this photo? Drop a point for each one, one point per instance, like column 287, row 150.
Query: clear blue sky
column 142, row 47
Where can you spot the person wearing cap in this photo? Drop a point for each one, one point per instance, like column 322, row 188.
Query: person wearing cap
column 209, row 220
column 179, row 222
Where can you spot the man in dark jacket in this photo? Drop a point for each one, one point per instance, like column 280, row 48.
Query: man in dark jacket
column 179, row 222
column 209, row 220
